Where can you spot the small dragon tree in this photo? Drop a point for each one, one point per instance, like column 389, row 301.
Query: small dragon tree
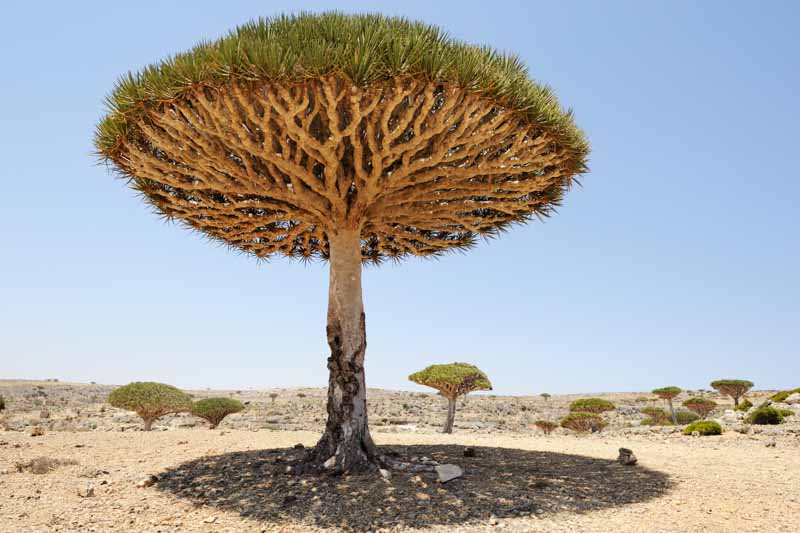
column 452, row 381
column 348, row 138
column 735, row 388
column 668, row 394
column 591, row 405
column 214, row 410
column 545, row 396
column 150, row 400
column 701, row 406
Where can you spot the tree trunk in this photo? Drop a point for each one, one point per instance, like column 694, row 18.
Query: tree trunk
column 148, row 423
column 346, row 434
column 451, row 415
column 672, row 410
column 736, row 401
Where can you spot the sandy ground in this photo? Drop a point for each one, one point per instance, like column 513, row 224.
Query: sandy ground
column 516, row 483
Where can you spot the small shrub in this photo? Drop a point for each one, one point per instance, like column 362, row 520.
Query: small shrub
column 703, row 427
column 150, row 400
column 591, row 405
column 702, row 406
column 786, row 412
column 650, row 421
column 2, row 403
column 214, row 410
column 764, row 416
column 546, row 426
column 686, row 417
column 745, row 405
column 656, row 413
column 301, row 395
column 583, row 422
column 781, row 396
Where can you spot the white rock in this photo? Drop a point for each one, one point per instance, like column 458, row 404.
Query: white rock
column 330, row 463
column 385, row 474
column 448, row 472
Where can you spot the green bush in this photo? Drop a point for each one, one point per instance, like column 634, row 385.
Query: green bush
column 150, row 400
column 702, row 406
column 686, row 417
column 764, row 416
column 745, row 405
column 656, row 421
column 591, row 405
column 583, row 422
column 781, row 396
column 658, row 416
column 214, row 410
column 546, row 426
column 704, row 427
column 786, row 412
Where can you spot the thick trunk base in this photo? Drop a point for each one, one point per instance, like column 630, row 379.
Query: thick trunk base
column 451, row 416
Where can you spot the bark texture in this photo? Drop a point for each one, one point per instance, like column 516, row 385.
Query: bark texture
column 346, row 437
column 451, row 415
column 148, row 423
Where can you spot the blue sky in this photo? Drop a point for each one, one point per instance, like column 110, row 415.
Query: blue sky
column 676, row 263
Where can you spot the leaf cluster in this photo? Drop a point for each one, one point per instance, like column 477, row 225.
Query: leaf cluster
column 591, row 405
column 365, row 48
column 150, row 399
column 583, row 422
column 744, row 405
column 214, row 410
column 667, row 393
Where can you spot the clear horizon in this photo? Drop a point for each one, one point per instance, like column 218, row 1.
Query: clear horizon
column 675, row 263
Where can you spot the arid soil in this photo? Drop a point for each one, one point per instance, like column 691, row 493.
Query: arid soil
column 235, row 478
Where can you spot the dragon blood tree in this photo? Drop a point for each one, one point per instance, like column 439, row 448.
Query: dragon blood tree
column 452, row 380
column 350, row 139
column 668, row 394
column 735, row 388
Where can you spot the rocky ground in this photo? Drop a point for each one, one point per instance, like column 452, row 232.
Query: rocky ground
column 86, row 469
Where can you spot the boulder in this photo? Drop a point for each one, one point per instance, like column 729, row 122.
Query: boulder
column 793, row 399
column 626, row 457
column 448, row 472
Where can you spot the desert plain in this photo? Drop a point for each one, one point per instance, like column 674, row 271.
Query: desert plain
column 71, row 462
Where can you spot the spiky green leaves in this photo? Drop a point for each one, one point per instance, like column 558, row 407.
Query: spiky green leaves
column 363, row 48
column 452, row 380
column 150, row 400
column 765, row 415
column 667, row 393
column 214, row 410
column 591, row 405
column 583, row 422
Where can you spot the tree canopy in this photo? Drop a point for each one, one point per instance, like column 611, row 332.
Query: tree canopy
column 214, row 410
column 667, row 393
column 591, row 405
column 150, row 399
column 452, row 380
column 288, row 127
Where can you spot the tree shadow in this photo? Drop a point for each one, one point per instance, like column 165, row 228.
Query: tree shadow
column 502, row 482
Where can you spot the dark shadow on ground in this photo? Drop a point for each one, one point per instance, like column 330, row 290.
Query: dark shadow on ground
column 497, row 481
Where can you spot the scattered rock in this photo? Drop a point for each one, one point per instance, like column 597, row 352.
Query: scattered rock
column 37, row 431
column 771, row 443
column 210, row 520
column 695, row 433
column 448, row 472
column 330, row 463
column 385, row 474
column 493, row 521
column 299, row 446
column 86, row 490
column 626, row 457
column 148, row 481
column 469, row 452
